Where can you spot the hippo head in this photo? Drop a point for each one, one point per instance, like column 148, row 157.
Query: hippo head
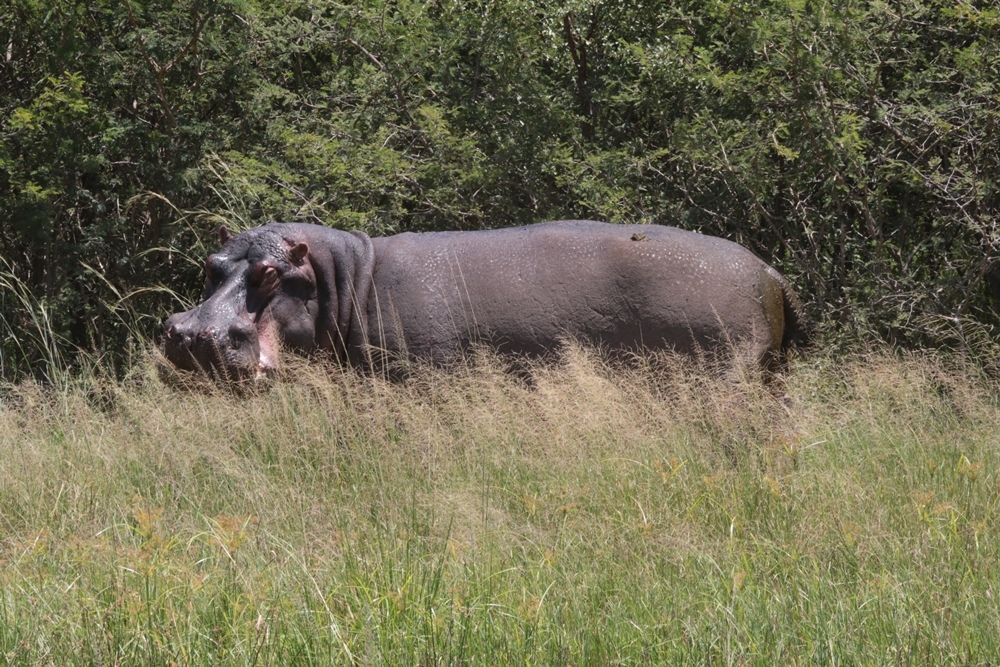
column 260, row 296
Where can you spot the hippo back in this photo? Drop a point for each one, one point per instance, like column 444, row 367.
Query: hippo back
column 527, row 289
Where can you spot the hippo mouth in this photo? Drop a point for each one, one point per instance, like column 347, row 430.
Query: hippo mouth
column 244, row 352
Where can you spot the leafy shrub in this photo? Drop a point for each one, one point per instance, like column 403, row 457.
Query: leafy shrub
column 853, row 145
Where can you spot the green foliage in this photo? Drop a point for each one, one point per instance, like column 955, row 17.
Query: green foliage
column 854, row 145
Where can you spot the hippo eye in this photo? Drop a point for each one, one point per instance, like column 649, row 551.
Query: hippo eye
column 263, row 274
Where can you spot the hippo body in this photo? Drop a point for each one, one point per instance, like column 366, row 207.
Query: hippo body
column 524, row 290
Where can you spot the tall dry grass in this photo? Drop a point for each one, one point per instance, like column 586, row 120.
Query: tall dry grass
column 581, row 513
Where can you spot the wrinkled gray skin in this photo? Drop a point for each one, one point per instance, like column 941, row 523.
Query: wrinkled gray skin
column 524, row 290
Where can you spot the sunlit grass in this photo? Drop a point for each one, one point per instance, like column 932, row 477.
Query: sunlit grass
column 591, row 515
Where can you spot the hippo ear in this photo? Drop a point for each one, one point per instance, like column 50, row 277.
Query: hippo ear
column 298, row 253
column 224, row 235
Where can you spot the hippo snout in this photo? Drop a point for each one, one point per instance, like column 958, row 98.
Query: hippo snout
column 242, row 334
column 176, row 334
column 229, row 351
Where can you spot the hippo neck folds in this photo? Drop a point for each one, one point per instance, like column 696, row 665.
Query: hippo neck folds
column 524, row 290
column 272, row 288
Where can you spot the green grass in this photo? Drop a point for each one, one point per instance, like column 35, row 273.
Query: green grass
column 592, row 516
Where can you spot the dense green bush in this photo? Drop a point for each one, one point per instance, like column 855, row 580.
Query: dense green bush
column 852, row 144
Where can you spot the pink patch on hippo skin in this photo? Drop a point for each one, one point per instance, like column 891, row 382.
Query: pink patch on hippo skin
column 270, row 358
column 268, row 363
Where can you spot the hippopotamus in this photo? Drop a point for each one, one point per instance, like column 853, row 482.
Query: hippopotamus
column 523, row 290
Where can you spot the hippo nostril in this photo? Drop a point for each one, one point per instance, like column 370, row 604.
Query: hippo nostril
column 179, row 336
